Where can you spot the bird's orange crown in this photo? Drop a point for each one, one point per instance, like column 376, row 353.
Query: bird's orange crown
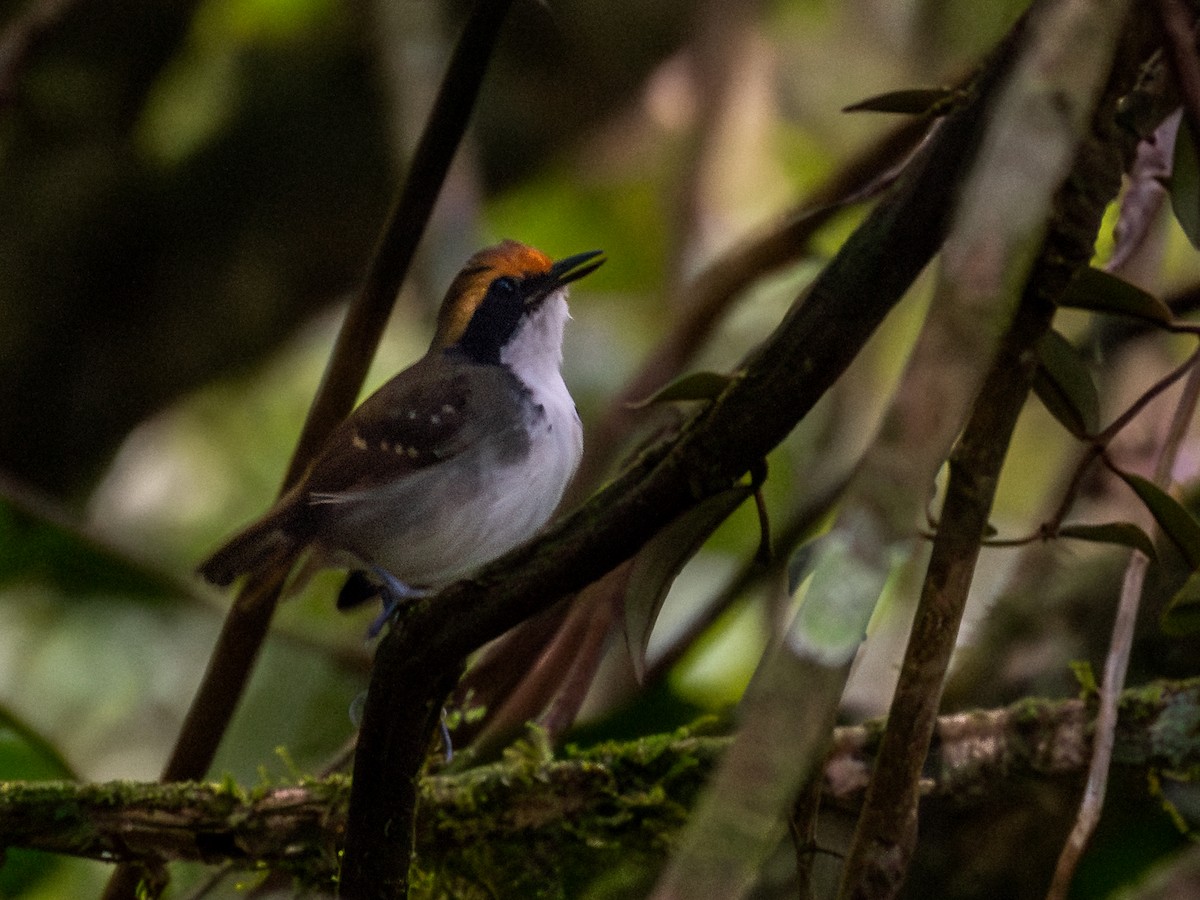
column 467, row 291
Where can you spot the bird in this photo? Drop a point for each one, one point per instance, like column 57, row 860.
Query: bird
column 450, row 464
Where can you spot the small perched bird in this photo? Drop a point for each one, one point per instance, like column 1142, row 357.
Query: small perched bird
column 454, row 461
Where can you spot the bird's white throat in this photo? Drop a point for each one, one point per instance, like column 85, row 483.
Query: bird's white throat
column 534, row 354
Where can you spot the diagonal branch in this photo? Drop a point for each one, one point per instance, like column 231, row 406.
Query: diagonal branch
column 763, row 402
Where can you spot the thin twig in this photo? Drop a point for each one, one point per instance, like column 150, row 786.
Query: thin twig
column 1117, row 662
column 1096, row 450
column 886, row 834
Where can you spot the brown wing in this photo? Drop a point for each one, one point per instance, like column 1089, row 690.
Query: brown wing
column 421, row 417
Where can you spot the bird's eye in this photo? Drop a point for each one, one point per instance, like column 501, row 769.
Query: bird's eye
column 504, row 286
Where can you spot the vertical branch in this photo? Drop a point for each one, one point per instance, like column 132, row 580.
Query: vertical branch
column 1178, row 24
column 887, row 828
column 886, row 834
column 381, row 823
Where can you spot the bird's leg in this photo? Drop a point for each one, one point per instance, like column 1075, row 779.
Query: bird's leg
column 392, row 592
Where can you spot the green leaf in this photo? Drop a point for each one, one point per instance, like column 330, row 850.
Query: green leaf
column 1099, row 291
column 39, row 545
column 1185, row 184
column 660, row 561
column 1082, row 670
column 1172, row 517
column 1123, row 534
column 1182, row 615
column 912, row 101
column 1064, row 384
column 694, row 386
column 27, row 756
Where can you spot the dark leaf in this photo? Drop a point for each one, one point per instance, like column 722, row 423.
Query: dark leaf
column 801, row 563
column 1096, row 290
column 695, row 386
column 1064, row 384
column 660, row 561
column 1185, row 184
column 39, row 547
column 27, row 756
column 1123, row 534
column 1182, row 615
column 913, row 101
column 1173, row 518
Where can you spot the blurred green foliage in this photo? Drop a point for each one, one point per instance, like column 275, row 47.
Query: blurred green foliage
column 191, row 189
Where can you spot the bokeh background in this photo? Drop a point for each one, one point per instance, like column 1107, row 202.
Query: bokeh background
column 190, row 191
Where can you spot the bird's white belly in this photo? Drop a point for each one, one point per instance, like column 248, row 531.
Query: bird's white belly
column 431, row 531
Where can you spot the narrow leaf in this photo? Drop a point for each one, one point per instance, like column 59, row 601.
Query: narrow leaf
column 1064, row 385
column 1185, row 184
column 912, row 101
column 38, row 546
column 1123, row 534
column 1082, row 670
column 694, row 386
column 25, row 755
column 1172, row 517
column 1099, row 291
column 661, row 560
column 1182, row 615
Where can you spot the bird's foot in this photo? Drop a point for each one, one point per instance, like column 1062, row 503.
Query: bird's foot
column 392, row 593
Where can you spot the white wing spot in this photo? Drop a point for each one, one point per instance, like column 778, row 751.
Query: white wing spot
column 449, row 410
column 413, row 452
column 435, row 420
column 412, row 413
column 358, row 442
column 383, row 445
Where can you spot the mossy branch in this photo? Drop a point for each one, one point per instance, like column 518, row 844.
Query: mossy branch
column 586, row 810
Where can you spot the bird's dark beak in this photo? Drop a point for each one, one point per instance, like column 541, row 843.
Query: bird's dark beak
column 561, row 273
column 575, row 267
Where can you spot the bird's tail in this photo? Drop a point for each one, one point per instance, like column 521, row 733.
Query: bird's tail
column 261, row 545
